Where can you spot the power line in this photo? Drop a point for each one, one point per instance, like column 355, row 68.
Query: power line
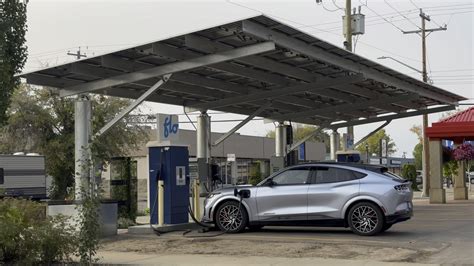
column 396, row 10
column 373, row 11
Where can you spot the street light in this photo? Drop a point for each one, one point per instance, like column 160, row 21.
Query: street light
column 410, row 67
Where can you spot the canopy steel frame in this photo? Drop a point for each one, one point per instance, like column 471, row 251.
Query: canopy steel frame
column 317, row 53
column 392, row 117
column 241, row 124
column 169, row 68
column 132, row 106
column 372, row 132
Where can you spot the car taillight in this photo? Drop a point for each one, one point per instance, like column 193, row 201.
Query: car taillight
column 402, row 188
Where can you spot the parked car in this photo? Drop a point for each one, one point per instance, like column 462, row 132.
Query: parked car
column 366, row 198
column 470, row 177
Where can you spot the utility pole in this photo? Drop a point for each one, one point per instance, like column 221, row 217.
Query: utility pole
column 348, row 33
column 426, row 151
column 77, row 54
column 348, row 46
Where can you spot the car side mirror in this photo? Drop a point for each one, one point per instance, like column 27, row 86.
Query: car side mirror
column 270, row 182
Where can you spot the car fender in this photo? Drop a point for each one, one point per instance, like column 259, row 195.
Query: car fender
column 358, row 198
column 228, row 197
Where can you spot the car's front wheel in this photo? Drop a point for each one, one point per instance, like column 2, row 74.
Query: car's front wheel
column 231, row 217
column 365, row 219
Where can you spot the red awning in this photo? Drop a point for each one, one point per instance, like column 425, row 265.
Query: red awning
column 458, row 127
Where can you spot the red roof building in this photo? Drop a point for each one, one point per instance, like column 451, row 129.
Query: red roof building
column 458, row 127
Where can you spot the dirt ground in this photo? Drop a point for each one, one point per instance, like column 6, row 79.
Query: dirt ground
column 269, row 248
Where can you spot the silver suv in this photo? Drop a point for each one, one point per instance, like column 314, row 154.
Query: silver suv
column 366, row 198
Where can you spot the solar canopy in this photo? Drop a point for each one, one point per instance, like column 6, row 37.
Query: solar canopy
column 248, row 65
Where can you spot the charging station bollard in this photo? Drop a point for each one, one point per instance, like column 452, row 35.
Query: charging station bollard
column 196, row 202
column 161, row 199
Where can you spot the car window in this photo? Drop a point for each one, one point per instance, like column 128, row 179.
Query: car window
column 323, row 175
column 292, row 177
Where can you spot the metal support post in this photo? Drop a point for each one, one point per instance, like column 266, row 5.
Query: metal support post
column 82, row 154
column 334, row 144
column 280, row 140
column 203, row 149
column 426, row 160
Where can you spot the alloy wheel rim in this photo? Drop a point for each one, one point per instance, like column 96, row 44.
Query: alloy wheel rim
column 364, row 219
column 230, row 217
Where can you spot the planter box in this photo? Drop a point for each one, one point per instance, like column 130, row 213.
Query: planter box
column 107, row 218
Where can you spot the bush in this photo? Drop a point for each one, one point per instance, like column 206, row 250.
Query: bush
column 124, row 223
column 409, row 173
column 27, row 236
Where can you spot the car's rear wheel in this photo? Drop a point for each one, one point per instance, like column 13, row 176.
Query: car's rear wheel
column 365, row 219
column 231, row 217
column 386, row 227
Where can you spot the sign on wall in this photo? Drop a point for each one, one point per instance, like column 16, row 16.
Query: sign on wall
column 168, row 127
column 231, row 157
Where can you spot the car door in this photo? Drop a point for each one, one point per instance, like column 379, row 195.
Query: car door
column 286, row 199
column 330, row 188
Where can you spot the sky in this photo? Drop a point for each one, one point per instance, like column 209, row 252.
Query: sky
column 98, row 27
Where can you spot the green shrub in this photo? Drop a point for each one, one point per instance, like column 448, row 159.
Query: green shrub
column 124, row 223
column 27, row 236
column 57, row 240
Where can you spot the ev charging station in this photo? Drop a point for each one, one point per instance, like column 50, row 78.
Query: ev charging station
column 168, row 174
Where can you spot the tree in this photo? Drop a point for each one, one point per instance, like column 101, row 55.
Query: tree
column 301, row 131
column 40, row 121
column 409, row 172
column 373, row 143
column 418, row 150
column 418, row 155
column 13, row 51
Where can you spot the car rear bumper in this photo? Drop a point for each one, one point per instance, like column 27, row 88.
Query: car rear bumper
column 399, row 216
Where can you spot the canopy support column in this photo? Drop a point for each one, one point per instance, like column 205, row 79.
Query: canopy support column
column 460, row 188
column 425, row 159
column 203, row 150
column 334, row 144
column 82, row 152
column 280, row 140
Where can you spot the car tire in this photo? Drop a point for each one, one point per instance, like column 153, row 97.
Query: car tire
column 386, row 226
column 472, row 181
column 365, row 219
column 230, row 219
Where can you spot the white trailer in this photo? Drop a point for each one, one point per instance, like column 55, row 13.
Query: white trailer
column 23, row 176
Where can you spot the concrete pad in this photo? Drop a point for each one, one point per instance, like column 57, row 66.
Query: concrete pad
column 146, row 229
column 195, row 259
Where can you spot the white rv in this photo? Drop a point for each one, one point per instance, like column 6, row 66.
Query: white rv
column 23, row 176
